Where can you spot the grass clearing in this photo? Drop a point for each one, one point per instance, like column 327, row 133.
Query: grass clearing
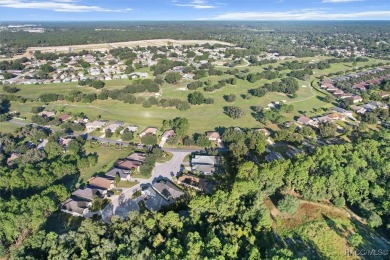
column 322, row 232
column 107, row 156
column 126, row 184
column 201, row 117
column 6, row 127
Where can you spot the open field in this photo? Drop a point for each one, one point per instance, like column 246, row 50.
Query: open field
column 108, row 46
column 6, row 127
column 107, row 157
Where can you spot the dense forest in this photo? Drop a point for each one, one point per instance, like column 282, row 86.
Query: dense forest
column 287, row 38
column 234, row 222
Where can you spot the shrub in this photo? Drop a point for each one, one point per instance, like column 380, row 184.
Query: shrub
column 230, row 98
column 339, row 202
column 289, row 204
column 234, row 112
column 149, row 139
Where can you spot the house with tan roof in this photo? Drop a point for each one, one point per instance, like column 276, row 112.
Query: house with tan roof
column 213, row 136
column 137, row 156
column 64, row 117
column 129, row 165
column 304, row 120
column 148, row 130
column 100, row 182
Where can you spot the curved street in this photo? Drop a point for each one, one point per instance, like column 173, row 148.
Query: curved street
column 122, row 204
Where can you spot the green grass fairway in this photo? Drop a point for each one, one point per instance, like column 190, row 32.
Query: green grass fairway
column 201, row 117
column 6, row 127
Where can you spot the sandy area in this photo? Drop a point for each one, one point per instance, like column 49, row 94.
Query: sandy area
column 108, row 46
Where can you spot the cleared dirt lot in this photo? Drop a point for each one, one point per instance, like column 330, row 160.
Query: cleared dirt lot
column 108, row 46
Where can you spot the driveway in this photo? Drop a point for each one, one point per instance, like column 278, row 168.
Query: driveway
column 123, row 204
column 171, row 168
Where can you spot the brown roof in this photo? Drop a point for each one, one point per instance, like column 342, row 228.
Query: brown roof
column 168, row 134
column 64, row 117
column 140, row 157
column 213, row 135
column 100, row 182
column 127, row 164
column 303, row 120
column 194, row 182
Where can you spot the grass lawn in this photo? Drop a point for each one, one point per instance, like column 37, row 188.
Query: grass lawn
column 126, row 184
column 168, row 156
column 107, row 156
column 139, row 175
column 6, row 127
column 201, row 117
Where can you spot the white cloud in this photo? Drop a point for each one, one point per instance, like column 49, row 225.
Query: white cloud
column 57, row 5
column 197, row 4
column 341, row 1
column 306, row 14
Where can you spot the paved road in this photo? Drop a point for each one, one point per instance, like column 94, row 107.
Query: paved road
column 123, row 204
column 17, row 122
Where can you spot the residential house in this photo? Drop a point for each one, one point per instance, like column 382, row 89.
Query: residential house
column 378, row 104
column 12, row 158
column 357, row 99
column 89, row 193
column 358, row 109
column 76, row 207
column 131, row 128
column 94, row 71
column 129, row 165
column 304, row 120
column 148, row 130
column 272, row 156
column 136, row 156
column 360, row 87
column 166, row 135
column 91, row 126
column 263, row 130
column 213, row 136
column 336, row 116
column 205, row 164
column 64, row 117
column 292, row 151
column 326, row 85
column 323, row 119
column 342, row 111
column 47, row 114
column 100, row 182
column 42, row 144
column 123, row 174
column 194, row 182
column 112, row 127
column 65, row 141
column 168, row 190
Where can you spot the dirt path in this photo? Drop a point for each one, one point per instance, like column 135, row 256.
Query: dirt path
column 113, row 45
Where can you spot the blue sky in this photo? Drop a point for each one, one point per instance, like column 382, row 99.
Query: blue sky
column 98, row 10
